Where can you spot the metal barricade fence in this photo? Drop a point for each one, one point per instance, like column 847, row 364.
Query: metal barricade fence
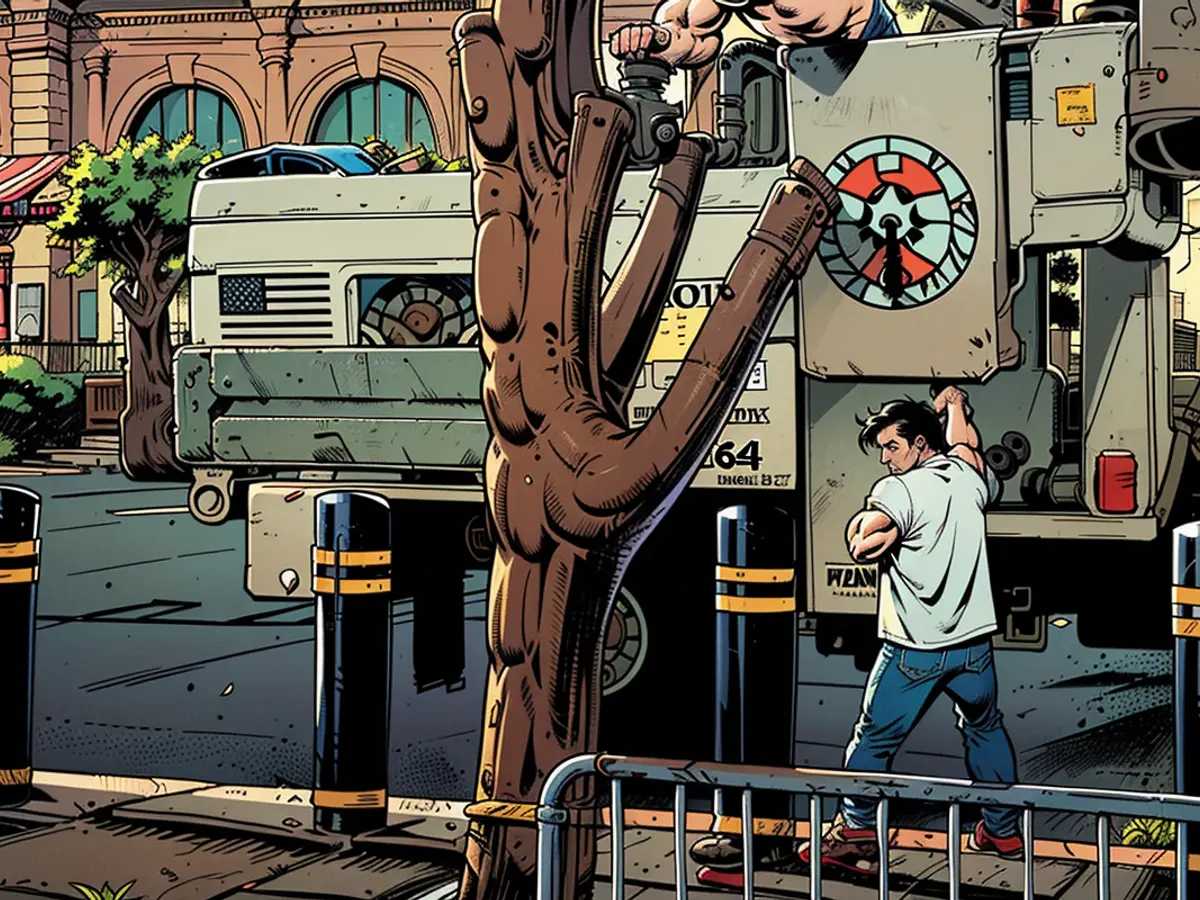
column 552, row 815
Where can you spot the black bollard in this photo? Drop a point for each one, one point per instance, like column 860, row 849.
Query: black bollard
column 352, row 581
column 756, row 666
column 1186, row 628
column 20, row 512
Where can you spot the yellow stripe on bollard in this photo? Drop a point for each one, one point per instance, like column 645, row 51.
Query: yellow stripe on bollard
column 352, row 557
column 19, row 576
column 1186, row 628
column 322, row 585
column 21, row 548
column 1185, row 596
column 755, row 576
column 727, row 603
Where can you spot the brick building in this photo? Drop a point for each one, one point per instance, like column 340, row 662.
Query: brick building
column 239, row 76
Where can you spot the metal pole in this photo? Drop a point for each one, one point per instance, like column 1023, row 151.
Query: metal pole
column 8, row 328
column 352, row 581
column 20, row 512
column 756, row 654
column 1185, row 621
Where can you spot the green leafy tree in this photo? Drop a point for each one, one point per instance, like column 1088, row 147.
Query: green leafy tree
column 128, row 213
column 1064, row 275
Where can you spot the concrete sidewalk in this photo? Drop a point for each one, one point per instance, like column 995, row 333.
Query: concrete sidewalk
column 193, row 841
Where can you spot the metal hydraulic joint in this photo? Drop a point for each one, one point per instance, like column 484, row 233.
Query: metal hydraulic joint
column 656, row 122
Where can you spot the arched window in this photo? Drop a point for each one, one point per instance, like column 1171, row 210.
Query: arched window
column 384, row 109
column 205, row 113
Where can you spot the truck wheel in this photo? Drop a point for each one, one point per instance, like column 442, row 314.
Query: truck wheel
column 625, row 643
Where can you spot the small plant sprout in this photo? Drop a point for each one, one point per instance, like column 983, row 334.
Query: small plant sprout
column 104, row 893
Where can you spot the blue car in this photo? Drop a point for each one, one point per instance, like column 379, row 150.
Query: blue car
column 293, row 159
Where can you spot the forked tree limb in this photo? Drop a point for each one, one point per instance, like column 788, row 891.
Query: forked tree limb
column 598, row 151
column 641, row 467
column 634, row 300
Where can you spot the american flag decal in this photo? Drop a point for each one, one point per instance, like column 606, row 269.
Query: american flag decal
column 270, row 307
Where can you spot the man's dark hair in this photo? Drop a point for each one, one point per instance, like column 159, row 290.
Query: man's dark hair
column 912, row 419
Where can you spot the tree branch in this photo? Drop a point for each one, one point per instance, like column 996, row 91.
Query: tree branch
column 633, row 303
column 643, row 467
column 143, row 239
column 575, row 68
column 172, row 281
column 131, row 306
column 125, row 257
column 598, row 150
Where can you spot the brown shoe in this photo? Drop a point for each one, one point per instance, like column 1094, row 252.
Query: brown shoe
column 723, row 852
column 848, row 849
column 718, row 851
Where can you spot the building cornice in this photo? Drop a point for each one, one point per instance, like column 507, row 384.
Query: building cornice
column 52, row 16
column 204, row 16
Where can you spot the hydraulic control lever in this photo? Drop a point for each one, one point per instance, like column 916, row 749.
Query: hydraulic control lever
column 657, row 123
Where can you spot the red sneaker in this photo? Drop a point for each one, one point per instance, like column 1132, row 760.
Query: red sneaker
column 850, row 849
column 719, row 878
column 983, row 841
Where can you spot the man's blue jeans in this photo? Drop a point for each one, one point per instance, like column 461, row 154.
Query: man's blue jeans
column 902, row 686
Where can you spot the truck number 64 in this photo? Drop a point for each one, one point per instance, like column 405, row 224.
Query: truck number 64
column 727, row 455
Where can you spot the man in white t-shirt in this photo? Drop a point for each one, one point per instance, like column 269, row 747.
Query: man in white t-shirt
column 924, row 524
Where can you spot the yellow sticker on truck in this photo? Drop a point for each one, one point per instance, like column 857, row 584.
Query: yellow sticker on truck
column 1076, row 105
column 682, row 315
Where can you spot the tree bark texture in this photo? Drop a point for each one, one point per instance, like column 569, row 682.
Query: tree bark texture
column 572, row 489
column 147, row 423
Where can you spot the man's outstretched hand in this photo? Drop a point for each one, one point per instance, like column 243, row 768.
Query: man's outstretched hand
column 639, row 40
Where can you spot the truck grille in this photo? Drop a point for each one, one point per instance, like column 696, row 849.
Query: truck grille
column 295, row 306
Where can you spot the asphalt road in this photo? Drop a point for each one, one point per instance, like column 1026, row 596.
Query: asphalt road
column 151, row 659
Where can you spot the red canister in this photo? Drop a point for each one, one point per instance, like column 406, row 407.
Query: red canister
column 1116, row 482
column 1038, row 13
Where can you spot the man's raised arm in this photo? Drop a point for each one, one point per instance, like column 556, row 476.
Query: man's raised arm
column 962, row 436
column 684, row 33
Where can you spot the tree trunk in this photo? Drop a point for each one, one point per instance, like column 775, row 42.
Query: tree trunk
column 542, row 706
column 571, row 489
column 148, row 420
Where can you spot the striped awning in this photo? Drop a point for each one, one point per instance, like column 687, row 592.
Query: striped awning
column 21, row 177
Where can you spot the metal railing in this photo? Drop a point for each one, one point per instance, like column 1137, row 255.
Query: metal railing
column 552, row 815
column 58, row 358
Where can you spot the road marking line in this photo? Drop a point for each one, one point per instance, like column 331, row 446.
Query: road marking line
column 152, row 511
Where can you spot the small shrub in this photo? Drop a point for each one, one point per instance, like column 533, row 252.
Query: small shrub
column 38, row 410
column 1148, row 833
column 9, row 451
column 104, row 893
column 418, row 159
